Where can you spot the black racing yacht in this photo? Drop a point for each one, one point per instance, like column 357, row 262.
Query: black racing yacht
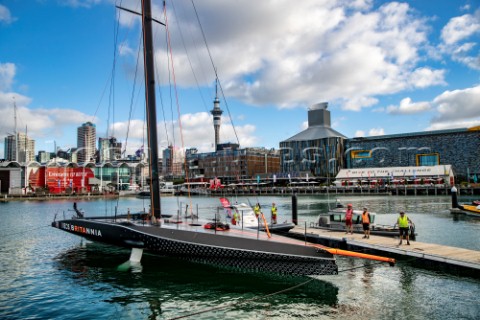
column 245, row 249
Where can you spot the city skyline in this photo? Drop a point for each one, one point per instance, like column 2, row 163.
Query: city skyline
column 383, row 67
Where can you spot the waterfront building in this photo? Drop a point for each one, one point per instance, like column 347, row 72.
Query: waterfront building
column 457, row 147
column 434, row 176
column 317, row 151
column 19, row 147
column 230, row 164
column 86, row 138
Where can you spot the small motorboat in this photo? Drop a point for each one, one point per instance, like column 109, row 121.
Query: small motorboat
column 472, row 210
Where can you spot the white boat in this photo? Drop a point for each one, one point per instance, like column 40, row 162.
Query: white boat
column 248, row 219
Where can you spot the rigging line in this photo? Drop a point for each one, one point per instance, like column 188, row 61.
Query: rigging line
column 189, row 61
column 169, row 48
column 215, row 70
column 160, row 91
column 133, row 94
column 111, row 97
column 109, row 80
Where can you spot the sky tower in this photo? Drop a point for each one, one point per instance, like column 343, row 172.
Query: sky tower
column 217, row 115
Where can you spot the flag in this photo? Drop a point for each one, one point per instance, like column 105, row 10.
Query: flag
column 139, row 152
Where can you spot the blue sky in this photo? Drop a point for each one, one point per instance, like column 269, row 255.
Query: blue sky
column 384, row 68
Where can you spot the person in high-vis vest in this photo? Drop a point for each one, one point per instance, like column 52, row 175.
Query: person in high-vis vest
column 366, row 223
column 235, row 217
column 403, row 224
column 274, row 214
column 256, row 209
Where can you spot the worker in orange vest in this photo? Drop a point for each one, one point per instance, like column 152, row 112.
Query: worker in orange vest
column 366, row 223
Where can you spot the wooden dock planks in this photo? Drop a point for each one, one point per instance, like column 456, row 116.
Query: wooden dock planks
column 434, row 252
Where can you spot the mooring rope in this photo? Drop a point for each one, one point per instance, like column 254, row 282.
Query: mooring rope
column 245, row 301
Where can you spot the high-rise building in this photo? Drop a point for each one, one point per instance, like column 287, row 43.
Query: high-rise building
column 43, row 156
column 86, row 140
column 20, row 149
column 173, row 161
column 109, row 149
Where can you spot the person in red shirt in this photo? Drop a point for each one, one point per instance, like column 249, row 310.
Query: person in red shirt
column 348, row 219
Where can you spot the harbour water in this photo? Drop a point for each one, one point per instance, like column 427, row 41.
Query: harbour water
column 49, row 274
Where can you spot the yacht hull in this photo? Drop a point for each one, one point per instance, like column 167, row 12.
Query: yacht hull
column 238, row 249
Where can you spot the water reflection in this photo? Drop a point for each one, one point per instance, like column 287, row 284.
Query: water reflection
column 170, row 287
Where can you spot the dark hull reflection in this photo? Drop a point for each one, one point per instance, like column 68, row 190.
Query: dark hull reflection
column 159, row 279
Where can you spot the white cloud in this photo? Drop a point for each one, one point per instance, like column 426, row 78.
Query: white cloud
column 7, row 74
column 457, row 108
column 5, row 15
column 359, row 133
column 459, row 104
column 39, row 123
column 371, row 132
column 456, row 37
column 459, row 28
column 425, row 77
column 197, row 131
column 408, row 107
column 345, row 52
column 376, row 132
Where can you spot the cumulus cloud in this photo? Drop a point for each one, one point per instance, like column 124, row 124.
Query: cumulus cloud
column 196, row 131
column 457, row 108
column 359, row 133
column 7, row 74
column 347, row 52
column 5, row 15
column 408, row 107
column 376, row 132
column 372, row 132
column 459, row 28
column 457, row 39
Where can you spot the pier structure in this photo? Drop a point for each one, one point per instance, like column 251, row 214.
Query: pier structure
column 447, row 259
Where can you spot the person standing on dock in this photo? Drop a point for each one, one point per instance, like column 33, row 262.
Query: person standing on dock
column 274, row 214
column 256, row 209
column 366, row 223
column 403, row 225
column 348, row 219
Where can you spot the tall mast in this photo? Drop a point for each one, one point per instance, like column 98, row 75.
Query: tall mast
column 148, row 55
